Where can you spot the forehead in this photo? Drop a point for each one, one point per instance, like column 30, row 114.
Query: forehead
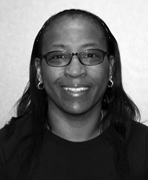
column 73, row 31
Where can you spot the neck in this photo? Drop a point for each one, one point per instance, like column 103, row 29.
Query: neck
column 75, row 127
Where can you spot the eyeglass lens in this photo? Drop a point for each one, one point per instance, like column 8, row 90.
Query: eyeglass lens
column 62, row 58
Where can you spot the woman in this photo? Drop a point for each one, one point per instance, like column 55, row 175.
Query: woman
column 74, row 120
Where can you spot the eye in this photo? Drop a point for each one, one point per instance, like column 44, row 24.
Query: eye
column 59, row 56
column 90, row 55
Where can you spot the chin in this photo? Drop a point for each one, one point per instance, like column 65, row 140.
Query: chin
column 77, row 110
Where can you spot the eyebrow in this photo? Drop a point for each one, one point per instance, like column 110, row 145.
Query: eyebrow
column 59, row 46
column 85, row 45
column 89, row 45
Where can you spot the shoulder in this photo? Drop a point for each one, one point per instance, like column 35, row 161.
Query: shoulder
column 138, row 149
column 14, row 134
column 16, row 126
column 139, row 135
column 139, row 131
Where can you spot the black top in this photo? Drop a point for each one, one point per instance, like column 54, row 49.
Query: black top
column 60, row 159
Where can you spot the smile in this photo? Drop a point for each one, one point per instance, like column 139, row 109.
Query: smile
column 79, row 89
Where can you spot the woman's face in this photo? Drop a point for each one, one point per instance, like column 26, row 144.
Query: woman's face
column 76, row 88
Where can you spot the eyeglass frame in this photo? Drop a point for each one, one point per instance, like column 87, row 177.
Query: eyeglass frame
column 105, row 53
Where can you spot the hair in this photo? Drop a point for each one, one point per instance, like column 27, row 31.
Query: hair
column 119, row 109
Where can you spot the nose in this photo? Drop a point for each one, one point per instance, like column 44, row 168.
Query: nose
column 75, row 69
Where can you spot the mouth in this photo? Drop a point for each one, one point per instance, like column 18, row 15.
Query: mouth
column 76, row 90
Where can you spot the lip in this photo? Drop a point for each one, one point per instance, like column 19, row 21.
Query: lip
column 75, row 85
column 75, row 91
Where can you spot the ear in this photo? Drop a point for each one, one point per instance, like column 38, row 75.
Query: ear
column 38, row 69
column 111, row 66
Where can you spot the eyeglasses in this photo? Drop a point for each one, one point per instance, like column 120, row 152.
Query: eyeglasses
column 88, row 57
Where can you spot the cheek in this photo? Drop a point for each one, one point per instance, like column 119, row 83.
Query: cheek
column 100, row 74
column 50, row 75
